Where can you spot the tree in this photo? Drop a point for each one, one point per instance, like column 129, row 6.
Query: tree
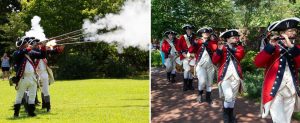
column 173, row 14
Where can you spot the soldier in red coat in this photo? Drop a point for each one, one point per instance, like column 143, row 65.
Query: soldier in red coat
column 169, row 48
column 230, row 79
column 185, row 41
column 281, row 58
column 203, row 49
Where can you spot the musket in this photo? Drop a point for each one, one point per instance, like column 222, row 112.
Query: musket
column 65, row 36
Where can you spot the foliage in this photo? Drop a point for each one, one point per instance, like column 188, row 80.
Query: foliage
column 253, row 83
column 85, row 101
column 247, row 61
column 99, row 60
column 78, row 61
column 172, row 14
column 156, row 58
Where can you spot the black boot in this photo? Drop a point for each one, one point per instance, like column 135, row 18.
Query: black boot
column 208, row 97
column 191, row 87
column 25, row 102
column 17, row 110
column 43, row 101
column 173, row 78
column 200, row 98
column 47, row 103
column 185, row 82
column 232, row 118
column 226, row 115
column 168, row 76
column 36, row 101
column 31, row 109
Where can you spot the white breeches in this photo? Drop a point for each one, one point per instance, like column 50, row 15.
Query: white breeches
column 230, row 88
column 170, row 65
column 282, row 106
column 205, row 75
column 44, row 78
column 27, row 82
column 186, row 67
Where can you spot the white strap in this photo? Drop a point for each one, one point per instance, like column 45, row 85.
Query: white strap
column 188, row 43
column 28, row 58
column 172, row 45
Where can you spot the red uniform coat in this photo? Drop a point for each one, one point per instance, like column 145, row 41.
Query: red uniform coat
column 211, row 46
column 166, row 47
column 270, row 59
column 182, row 46
column 222, row 58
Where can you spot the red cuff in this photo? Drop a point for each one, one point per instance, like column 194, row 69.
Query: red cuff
column 43, row 48
column 28, row 49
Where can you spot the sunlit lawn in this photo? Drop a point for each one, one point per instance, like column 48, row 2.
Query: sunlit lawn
column 85, row 101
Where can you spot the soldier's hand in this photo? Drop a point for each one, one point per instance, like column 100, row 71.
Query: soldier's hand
column 272, row 41
column 60, row 48
column 287, row 42
column 184, row 55
column 220, row 46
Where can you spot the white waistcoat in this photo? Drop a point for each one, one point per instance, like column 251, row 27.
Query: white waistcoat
column 287, row 80
column 205, row 60
column 28, row 68
column 231, row 71
column 41, row 66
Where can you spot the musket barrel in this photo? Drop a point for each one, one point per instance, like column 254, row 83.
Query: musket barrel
column 76, row 32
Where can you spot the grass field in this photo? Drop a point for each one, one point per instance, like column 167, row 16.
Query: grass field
column 85, row 101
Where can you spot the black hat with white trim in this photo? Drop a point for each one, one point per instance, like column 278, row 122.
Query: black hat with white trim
column 188, row 26
column 204, row 30
column 229, row 33
column 34, row 41
column 166, row 33
column 284, row 24
column 23, row 40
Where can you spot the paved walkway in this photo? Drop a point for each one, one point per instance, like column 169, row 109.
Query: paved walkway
column 170, row 104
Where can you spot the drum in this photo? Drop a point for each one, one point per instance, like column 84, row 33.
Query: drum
column 178, row 65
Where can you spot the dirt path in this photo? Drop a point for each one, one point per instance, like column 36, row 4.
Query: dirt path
column 170, row 104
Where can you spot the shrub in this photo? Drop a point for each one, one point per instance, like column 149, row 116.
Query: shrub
column 253, row 83
column 155, row 58
column 247, row 62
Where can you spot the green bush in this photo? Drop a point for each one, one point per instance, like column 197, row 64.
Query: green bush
column 155, row 58
column 75, row 66
column 247, row 62
column 99, row 60
column 253, row 77
column 253, row 83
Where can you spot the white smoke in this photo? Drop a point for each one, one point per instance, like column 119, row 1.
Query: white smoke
column 36, row 30
column 132, row 25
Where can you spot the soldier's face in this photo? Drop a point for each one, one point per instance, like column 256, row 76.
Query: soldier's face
column 205, row 35
column 291, row 33
column 233, row 39
column 170, row 36
column 24, row 46
column 188, row 31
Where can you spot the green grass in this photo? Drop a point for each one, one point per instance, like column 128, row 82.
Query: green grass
column 85, row 101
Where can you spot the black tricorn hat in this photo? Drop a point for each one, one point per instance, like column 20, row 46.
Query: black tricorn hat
column 271, row 26
column 33, row 41
column 188, row 26
column 204, row 30
column 166, row 33
column 23, row 40
column 229, row 33
column 284, row 24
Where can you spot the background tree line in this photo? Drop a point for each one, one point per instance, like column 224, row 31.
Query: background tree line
column 89, row 60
